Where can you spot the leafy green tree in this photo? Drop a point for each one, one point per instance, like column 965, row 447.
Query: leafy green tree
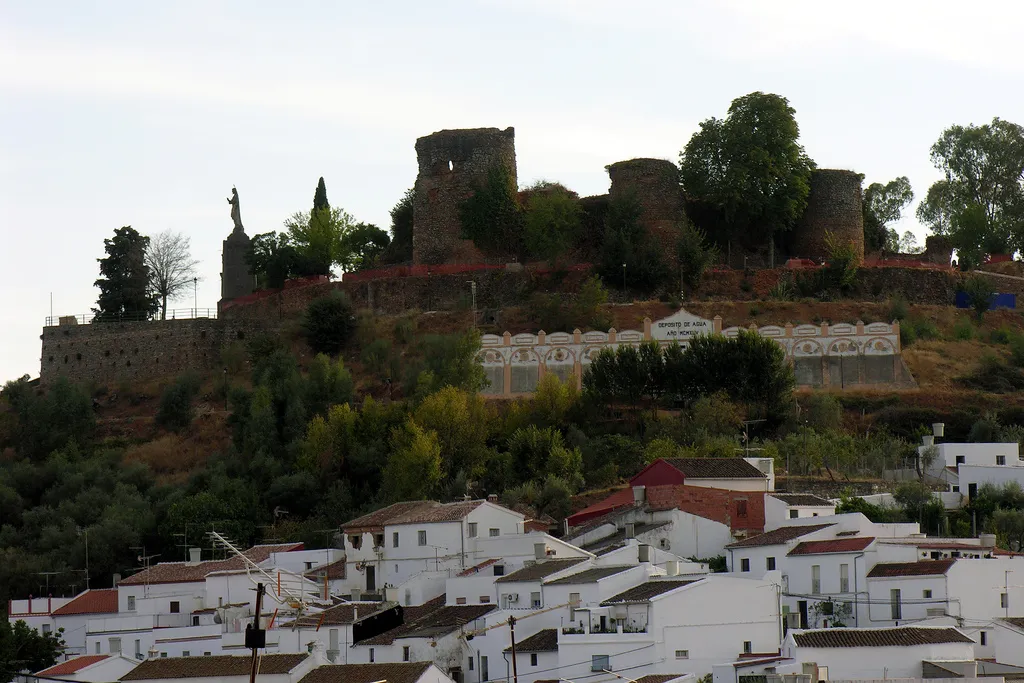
column 629, row 375
column 492, row 217
column 176, row 410
column 319, row 238
column 912, row 496
column 124, row 281
column 363, row 245
column 936, row 209
column 328, row 323
column 460, row 420
column 400, row 248
column 450, row 360
column 552, row 220
column 630, row 259
column 980, row 293
column 750, row 166
column 695, row 255
column 1009, row 523
column 983, row 190
column 272, row 258
column 23, row 649
column 413, row 470
column 882, row 206
column 48, row 422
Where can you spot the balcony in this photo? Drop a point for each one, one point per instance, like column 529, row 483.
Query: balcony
column 596, row 629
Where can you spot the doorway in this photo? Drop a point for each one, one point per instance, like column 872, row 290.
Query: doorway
column 371, row 578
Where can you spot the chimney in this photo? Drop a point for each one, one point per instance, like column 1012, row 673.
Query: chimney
column 117, row 580
column 194, row 555
column 927, row 440
column 639, row 495
column 492, row 497
column 540, row 551
column 630, row 529
column 987, row 540
column 938, row 429
column 643, row 553
column 357, row 595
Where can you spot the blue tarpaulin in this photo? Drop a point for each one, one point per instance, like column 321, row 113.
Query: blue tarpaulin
column 998, row 301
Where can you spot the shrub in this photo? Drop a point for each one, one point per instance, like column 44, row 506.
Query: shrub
column 547, row 312
column 784, row 290
column 979, row 292
column 587, row 307
column 695, row 254
column 328, row 323
column 551, row 221
column 1017, row 350
column 175, row 410
column 897, row 308
column 405, row 329
column 995, row 375
column 491, row 217
column 840, row 271
column 1002, row 335
column 926, row 329
column 233, row 357
column 963, row 330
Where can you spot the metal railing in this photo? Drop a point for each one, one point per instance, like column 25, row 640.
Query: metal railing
column 172, row 314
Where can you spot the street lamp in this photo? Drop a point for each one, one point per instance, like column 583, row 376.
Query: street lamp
column 472, row 289
column 195, row 297
column 623, row 276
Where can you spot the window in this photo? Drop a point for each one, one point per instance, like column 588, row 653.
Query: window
column 471, row 663
column 493, row 532
column 1004, row 600
column 186, row 653
column 745, row 564
column 471, row 529
column 984, row 637
column 499, row 570
column 131, row 603
column 485, row 599
column 748, row 647
column 682, row 654
column 421, row 537
column 1000, row 459
column 533, row 659
column 769, row 563
column 484, row 674
column 163, row 654
column 405, row 653
column 961, row 459
column 955, row 488
column 926, row 593
column 844, row 578
column 46, row 628
column 309, row 565
column 394, row 539
column 895, row 604
column 793, row 514
column 97, row 647
column 371, row 655
column 600, row 663
column 175, row 606
column 741, row 508
column 355, row 540
column 574, row 599
column 195, row 620
column 815, row 578
column 206, row 654
column 460, row 601
column 535, row 599
column 138, row 648
column 378, row 540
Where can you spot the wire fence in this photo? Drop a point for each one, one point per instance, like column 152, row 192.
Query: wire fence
column 95, row 318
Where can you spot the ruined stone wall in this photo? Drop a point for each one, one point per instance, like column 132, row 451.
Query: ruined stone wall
column 107, row 353
column 655, row 184
column 452, row 164
column 833, row 206
column 938, row 249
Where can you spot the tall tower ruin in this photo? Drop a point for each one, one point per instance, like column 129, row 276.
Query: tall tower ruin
column 655, row 184
column 835, row 205
column 452, row 165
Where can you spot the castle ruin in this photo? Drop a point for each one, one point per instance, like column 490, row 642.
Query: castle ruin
column 834, row 206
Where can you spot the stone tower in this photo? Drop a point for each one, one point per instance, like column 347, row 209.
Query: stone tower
column 833, row 206
column 235, row 278
column 452, row 164
column 655, row 184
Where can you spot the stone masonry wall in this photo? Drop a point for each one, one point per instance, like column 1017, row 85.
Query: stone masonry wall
column 833, row 206
column 655, row 184
column 105, row 353
column 452, row 164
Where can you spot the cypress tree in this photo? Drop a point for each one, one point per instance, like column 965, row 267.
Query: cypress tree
column 320, row 198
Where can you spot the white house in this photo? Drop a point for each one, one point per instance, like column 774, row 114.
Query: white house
column 90, row 669
column 964, row 467
column 779, row 507
column 684, row 534
column 877, row 653
column 75, row 616
column 391, row 545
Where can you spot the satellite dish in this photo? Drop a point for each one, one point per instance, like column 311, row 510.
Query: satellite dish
column 217, row 618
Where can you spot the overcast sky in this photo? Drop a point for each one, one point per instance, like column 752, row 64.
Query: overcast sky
column 145, row 113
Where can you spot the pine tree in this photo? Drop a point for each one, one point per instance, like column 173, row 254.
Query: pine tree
column 124, row 278
column 320, row 198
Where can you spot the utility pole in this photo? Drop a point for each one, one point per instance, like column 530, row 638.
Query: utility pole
column 472, row 289
column 256, row 637
column 512, row 634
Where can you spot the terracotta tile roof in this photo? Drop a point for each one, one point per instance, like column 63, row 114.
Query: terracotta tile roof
column 95, row 601
column 545, row 640
column 778, row 536
column 539, row 571
column 716, row 468
column 214, row 666
column 922, row 568
column 1017, row 622
column 344, row 613
column 834, row 545
column 476, row 569
column 332, row 570
column 415, row 512
column 590, row 575
column 900, row 636
column 396, row 672
column 801, row 499
column 430, row 621
column 645, row 591
column 72, row 665
column 183, row 572
column 658, row 678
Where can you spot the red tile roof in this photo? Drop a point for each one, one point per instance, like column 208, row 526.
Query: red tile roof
column 72, row 665
column 95, row 601
column 778, row 536
column 395, row 672
column 834, row 545
column 215, row 666
column 922, row 568
column 332, row 570
column 183, row 572
column 475, row 569
column 716, row 468
column 900, row 636
column 415, row 512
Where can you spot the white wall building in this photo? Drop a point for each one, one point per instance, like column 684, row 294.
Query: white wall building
column 90, row 669
column 779, row 507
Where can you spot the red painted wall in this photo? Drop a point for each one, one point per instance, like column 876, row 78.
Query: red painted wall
column 658, row 473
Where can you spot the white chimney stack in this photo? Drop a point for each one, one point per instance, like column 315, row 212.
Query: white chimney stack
column 195, row 555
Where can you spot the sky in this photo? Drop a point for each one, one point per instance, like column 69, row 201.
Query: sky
column 146, row 114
